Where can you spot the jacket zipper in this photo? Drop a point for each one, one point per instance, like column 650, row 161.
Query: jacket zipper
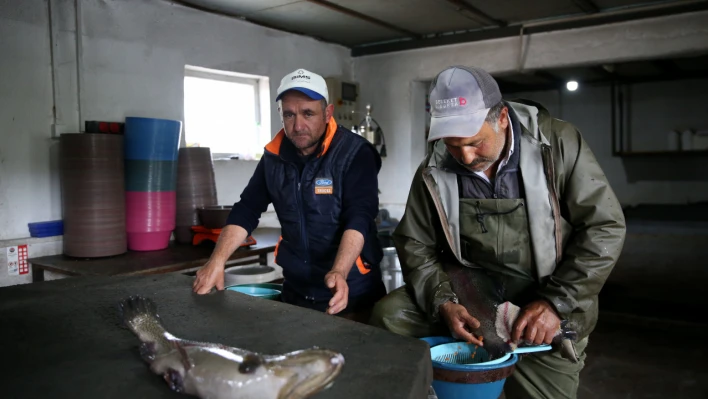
column 303, row 230
column 550, row 173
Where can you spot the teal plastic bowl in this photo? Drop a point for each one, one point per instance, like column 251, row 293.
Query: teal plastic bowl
column 272, row 286
column 448, row 354
column 261, row 292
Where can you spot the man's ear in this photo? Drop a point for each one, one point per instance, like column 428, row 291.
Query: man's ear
column 329, row 111
column 504, row 118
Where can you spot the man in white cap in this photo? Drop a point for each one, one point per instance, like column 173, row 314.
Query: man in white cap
column 509, row 205
column 322, row 180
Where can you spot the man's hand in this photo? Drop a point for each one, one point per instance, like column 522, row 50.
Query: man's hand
column 537, row 323
column 460, row 322
column 209, row 276
column 338, row 284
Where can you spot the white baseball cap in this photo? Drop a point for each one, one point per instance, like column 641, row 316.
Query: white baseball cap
column 304, row 81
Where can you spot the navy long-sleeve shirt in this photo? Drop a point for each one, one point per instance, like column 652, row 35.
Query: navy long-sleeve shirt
column 360, row 200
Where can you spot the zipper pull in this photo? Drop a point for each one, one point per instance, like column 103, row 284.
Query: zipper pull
column 298, row 186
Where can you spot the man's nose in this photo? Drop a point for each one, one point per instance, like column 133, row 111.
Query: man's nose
column 467, row 156
column 298, row 123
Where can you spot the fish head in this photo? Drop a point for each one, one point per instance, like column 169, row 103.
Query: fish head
column 306, row 371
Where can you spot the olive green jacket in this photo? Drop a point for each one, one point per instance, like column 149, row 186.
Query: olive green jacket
column 576, row 223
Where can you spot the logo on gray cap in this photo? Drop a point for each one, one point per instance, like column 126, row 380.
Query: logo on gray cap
column 450, row 102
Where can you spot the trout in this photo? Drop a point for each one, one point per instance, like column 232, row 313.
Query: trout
column 484, row 298
column 215, row 371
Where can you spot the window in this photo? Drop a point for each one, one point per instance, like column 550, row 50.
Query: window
column 227, row 112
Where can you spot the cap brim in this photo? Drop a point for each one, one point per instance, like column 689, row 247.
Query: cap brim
column 464, row 125
column 310, row 93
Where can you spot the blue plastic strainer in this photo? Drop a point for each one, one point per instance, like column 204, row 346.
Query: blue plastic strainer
column 463, row 353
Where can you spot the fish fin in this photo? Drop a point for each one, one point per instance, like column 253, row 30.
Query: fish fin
column 148, row 351
column 174, row 380
column 250, row 364
column 134, row 307
column 567, row 351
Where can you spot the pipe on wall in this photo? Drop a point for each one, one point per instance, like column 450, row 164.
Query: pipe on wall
column 79, row 62
column 52, row 59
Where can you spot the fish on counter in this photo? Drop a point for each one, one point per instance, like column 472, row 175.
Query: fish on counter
column 215, row 371
column 483, row 296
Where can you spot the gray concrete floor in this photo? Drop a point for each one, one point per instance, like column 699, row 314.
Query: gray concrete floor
column 640, row 358
column 650, row 341
column 632, row 358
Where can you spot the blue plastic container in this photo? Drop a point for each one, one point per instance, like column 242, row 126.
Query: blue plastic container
column 46, row 229
column 152, row 139
column 143, row 175
column 453, row 390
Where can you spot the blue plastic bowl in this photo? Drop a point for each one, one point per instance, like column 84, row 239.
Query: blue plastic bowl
column 260, row 292
column 151, row 139
column 452, row 390
column 46, row 229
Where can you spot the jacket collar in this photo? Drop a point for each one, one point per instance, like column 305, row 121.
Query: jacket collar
column 275, row 147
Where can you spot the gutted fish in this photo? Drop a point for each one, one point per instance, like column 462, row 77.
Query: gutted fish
column 215, row 371
column 484, row 298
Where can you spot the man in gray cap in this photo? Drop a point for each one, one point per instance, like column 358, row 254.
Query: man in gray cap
column 509, row 200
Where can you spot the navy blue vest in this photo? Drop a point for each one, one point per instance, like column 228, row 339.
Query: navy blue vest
column 309, row 209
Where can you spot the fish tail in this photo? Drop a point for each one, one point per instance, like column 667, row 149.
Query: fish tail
column 135, row 310
column 140, row 316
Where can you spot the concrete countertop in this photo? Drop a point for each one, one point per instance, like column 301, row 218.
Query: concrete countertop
column 63, row 339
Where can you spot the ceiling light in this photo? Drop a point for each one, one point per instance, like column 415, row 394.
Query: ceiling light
column 572, row 85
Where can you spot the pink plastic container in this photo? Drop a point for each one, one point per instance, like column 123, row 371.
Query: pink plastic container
column 150, row 219
column 148, row 241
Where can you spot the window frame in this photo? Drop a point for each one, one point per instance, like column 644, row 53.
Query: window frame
column 260, row 85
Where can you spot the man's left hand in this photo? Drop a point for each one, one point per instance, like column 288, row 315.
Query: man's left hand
column 338, row 284
column 537, row 323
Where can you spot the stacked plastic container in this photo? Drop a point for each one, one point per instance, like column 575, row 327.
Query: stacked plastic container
column 92, row 173
column 196, row 187
column 151, row 148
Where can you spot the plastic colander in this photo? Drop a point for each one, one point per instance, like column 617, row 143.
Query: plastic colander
column 462, row 353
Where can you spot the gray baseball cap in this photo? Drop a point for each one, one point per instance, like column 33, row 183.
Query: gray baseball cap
column 460, row 99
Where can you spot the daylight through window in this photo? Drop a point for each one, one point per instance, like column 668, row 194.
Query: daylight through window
column 224, row 111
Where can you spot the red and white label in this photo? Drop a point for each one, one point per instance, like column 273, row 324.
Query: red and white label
column 17, row 260
column 24, row 259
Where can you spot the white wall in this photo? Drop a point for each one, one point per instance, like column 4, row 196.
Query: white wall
column 389, row 81
column 654, row 110
column 132, row 58
column 27, row 192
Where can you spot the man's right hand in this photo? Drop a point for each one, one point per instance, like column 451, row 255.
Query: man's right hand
column 209, row 276
column 460, row 322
